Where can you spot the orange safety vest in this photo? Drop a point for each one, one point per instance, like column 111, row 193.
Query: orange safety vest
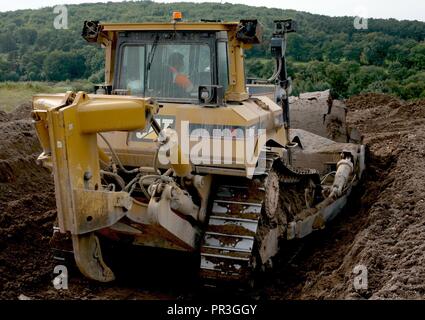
column 180, row 79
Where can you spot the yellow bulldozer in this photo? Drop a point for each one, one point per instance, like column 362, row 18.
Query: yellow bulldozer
column 178, row 150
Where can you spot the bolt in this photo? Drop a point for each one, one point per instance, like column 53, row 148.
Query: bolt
column 87, row 175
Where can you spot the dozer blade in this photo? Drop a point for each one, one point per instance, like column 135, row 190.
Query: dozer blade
column 318, row 113
column 322, row 154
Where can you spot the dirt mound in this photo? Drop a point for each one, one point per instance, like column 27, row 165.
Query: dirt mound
column 392, row 244
column 371, row 100
column 4, row 116
column 27, row 206
column 384, row 226
column 415, row 109
column 21, row 112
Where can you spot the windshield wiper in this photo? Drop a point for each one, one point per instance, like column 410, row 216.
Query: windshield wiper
column 152, row 53
column 150, row 60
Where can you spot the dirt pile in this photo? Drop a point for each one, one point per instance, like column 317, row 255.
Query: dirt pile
column 371, row 100
column 384, row 226
column 392, row 242
column 26, row 206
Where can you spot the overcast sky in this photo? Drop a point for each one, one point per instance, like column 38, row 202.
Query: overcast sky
column 399, row 9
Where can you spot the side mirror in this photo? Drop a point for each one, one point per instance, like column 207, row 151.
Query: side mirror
column 91, row 30
column 249, row 31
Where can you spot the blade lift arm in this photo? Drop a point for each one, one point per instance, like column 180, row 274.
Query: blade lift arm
column 68, row 134
column 278, row 50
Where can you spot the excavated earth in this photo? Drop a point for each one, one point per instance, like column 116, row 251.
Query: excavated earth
column 383, row 228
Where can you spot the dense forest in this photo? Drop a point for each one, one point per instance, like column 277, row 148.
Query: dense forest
column 326, row 52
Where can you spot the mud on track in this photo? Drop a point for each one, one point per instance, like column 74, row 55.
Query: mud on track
column 383, row 228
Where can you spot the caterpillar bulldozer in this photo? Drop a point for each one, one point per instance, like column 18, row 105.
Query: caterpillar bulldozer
column 178, row 150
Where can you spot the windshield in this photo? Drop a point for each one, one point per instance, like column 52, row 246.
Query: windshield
column 165, row 70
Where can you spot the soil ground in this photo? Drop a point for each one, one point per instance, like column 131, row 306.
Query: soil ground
column 383, row 228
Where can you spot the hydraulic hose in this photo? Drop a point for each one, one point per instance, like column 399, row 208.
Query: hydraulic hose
column 117, row 178
column 115, row 156
column 152, row 176
column 143, row 178
column 278, row 70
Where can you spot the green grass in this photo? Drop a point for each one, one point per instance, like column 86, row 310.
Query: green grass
column 13, row 94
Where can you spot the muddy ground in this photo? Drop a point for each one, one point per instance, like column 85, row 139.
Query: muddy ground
column 382, row 229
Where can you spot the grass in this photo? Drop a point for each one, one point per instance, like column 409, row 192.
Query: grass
column 13, row 94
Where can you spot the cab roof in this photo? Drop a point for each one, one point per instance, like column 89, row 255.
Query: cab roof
column 170, row 26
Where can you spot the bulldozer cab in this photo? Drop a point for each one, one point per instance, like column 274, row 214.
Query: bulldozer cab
column 168, row 66
column 182, row 62
column 195, row 71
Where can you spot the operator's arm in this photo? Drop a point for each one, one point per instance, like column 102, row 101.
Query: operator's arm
column 184, row 82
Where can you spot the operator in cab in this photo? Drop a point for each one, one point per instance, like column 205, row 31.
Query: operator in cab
column 176, row 65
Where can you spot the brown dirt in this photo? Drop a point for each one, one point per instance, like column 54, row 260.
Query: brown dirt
column 26, row 207
column 383, row 228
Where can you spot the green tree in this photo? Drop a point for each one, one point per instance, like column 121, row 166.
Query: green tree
column 417, row 56
column 61, row 66
column 26, row 36
column 7, row 43
column 376, row 49
column 365, row 76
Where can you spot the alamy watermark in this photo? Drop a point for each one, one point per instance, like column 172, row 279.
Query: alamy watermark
column 61, row 20
column 360, row 20
column 210, row 145
column 60, row 282
column 361, row 277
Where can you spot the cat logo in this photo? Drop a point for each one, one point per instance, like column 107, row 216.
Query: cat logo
column 148, row 134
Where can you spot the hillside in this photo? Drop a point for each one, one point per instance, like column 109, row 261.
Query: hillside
column 326, row 52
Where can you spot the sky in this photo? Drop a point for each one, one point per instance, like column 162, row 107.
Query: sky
column 398, row 9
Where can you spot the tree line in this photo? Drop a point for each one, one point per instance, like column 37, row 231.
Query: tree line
column 326, row 52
